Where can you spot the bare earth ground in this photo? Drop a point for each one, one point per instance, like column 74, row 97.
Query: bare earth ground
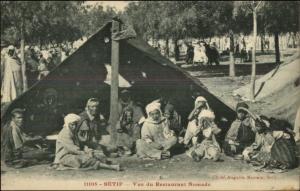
column 226, row 174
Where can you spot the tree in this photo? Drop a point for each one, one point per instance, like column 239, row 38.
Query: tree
column 39, row 22
column 18, row 16
column 251, row 8
column 280, row 17
column 255, row 6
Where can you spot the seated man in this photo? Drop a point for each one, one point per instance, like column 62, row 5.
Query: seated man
column 273, row 150
column 97, row 125
column 75, row 150
column 17, row 148
column 94, row 120
column 209, row 148
column 157, row 139
column 192, row 130
column 128, row 132
column 240, row 135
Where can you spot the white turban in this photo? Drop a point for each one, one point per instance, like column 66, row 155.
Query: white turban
column 71, row 118
column 201, row 99
column 36, row 49
column 152, row 107
column 10, row 47
column 206, row 113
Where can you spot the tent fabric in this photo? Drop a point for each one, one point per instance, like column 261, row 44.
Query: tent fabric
column 83, row 74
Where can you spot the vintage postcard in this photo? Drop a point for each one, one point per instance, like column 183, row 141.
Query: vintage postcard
column 150, row 95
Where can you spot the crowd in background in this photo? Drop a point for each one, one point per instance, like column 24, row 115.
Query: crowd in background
column 38, row 63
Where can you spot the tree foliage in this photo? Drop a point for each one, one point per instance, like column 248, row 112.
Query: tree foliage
column 51, row 22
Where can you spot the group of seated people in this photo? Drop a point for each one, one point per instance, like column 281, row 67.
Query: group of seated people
column 261, row 141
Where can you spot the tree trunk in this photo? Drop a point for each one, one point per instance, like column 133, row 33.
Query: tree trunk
column 253, row 72
column 294, row 40
column 25, row 87
column 277, row 52
column 153, row 41
column 231, row 64
column 167, row 47
column 114, row 89
column 262, row 43
column 176, row 50
column 288, row 40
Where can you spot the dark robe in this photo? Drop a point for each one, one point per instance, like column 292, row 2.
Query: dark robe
column 97, row 125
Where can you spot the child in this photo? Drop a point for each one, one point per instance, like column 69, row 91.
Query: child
column 173, row 118
column 192, row 128
column 209, row 148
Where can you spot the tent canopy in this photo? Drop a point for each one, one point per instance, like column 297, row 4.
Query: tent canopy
column 84, row 74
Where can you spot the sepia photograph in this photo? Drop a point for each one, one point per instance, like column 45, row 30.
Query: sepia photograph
column 150, row 95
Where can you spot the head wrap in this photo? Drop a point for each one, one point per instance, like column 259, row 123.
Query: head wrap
column 242, row 105
column 206, row 113
column 201, row 99
column 70, row 118
column 152, row 107
column 36, row 49
column 17, row 110
column 169, row 107
column 10, row 47
column 50, row 92
column 125, row 91
column 91, row 100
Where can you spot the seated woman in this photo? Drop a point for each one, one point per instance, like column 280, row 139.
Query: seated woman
column 18, row 149
column 240, row 135
column 156, row 137
column 273, row 150
column 209, row 148
column 75, row 150
column 192, row 130
column 127, row 132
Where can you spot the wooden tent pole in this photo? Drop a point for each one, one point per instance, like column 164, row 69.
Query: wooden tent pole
column 114, row 78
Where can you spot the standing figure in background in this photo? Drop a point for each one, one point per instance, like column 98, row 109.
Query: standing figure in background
column 250, row 55
column 2, row 60
column 190, row 54
column 12, row 84
column 243, row 55
column 43, row 69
